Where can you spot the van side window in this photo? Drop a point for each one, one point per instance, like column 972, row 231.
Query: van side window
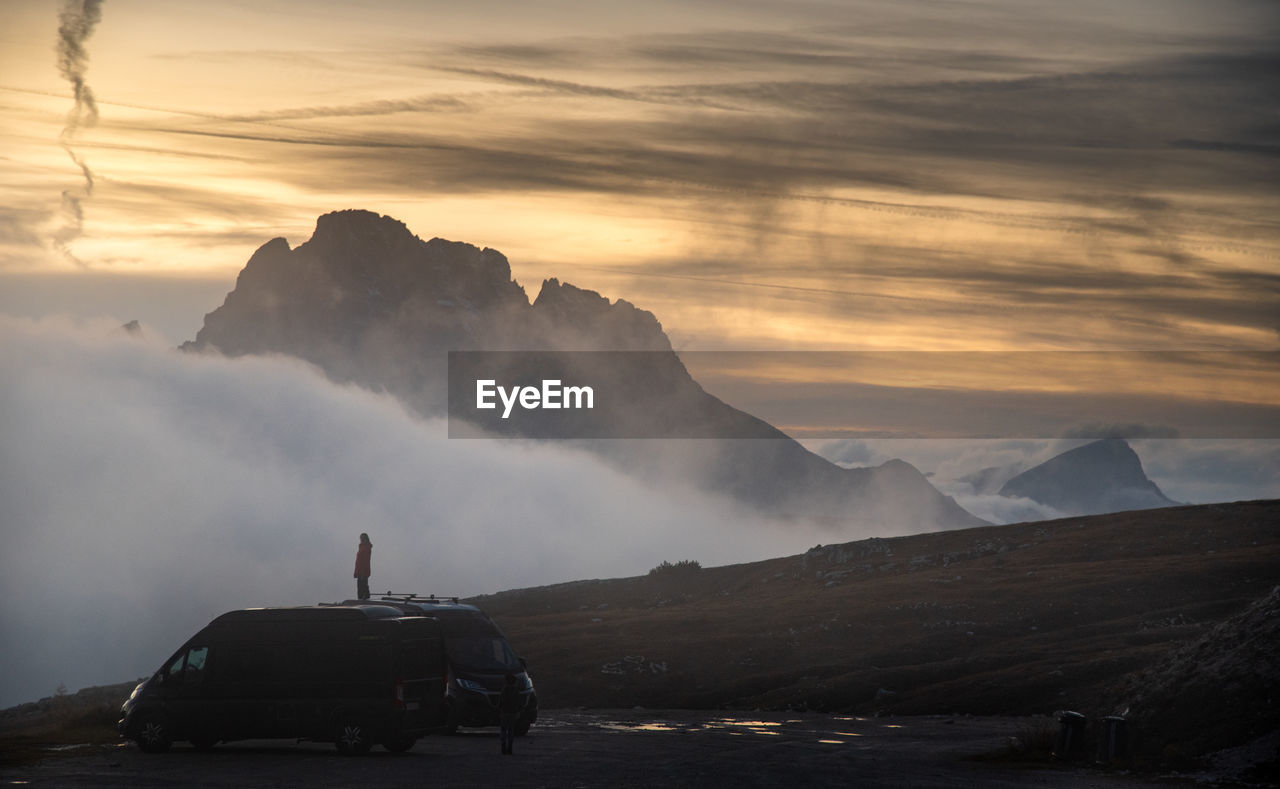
column 196, row 657
column 175, row 668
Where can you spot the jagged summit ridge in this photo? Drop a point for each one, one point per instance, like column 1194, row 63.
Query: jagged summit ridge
column 360, row 270
column 583, row 319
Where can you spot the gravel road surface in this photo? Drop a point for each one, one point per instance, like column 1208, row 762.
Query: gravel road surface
column 612, row 748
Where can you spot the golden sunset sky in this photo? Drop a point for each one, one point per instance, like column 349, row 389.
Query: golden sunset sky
column 798, row 176
column 967, row 234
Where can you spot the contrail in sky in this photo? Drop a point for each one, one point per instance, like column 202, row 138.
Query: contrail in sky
column 77, row 20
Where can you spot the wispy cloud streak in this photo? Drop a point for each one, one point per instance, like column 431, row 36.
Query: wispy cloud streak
column 77, row 21
column 644, row 95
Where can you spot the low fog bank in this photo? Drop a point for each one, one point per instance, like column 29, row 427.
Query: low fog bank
column 1187, row 470
column 171, row 308
column 144, row 491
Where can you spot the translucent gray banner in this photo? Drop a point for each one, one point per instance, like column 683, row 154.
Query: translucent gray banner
column 887, row 394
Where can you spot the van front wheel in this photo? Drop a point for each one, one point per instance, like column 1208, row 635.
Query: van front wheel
column 153, row 734
column 352, row 737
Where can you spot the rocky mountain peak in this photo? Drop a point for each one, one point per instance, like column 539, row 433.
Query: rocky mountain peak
column 368, row 302
column 359, row 227
column 1103, row 476
column 358, row 276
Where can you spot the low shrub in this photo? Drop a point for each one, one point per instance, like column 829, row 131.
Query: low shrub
column 682, row 567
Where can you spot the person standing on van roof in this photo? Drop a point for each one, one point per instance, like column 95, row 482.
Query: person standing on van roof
column 363, row 554
column 509, row 705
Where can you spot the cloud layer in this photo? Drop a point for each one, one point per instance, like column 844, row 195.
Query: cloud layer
column 144, row 491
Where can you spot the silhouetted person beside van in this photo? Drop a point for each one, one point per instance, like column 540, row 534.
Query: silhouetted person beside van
column 363, row 554
column 510, row 703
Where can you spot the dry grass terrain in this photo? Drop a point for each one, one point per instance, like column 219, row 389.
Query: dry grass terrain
column 1019, row 619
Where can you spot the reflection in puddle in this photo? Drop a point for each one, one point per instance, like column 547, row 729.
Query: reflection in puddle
column 755, row 727
column 735, row 727
column 652, row 726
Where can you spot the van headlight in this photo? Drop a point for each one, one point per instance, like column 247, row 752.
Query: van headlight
column 472, row 685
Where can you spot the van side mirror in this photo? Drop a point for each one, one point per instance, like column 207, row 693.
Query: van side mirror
column 523, row 664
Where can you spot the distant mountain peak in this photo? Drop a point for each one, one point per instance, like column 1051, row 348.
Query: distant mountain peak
column 1099, row 477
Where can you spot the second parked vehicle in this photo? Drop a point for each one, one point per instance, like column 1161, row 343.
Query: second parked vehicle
column 479, row 658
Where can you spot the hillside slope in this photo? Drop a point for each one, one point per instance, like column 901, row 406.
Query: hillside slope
column 1025, row 618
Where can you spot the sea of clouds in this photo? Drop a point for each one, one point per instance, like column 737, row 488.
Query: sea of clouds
column 144, row 490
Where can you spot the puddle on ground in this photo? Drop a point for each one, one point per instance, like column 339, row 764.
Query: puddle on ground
column 653, row 726
column 740, row 727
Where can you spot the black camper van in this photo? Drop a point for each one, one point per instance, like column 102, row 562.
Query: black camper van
column 479, row 658
column 355, row 676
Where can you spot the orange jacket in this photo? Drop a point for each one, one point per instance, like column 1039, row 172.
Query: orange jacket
column 363, row 553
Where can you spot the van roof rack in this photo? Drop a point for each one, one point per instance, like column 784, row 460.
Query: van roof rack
column 402, row 597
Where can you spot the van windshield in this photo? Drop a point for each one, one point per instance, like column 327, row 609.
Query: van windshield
column 474, row 642
column 491, row 653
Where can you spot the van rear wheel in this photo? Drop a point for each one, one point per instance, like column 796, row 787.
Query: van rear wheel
column 352, row 737
column 401, row 745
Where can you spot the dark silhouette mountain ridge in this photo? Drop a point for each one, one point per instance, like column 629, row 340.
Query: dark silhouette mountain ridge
column 370, row 303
